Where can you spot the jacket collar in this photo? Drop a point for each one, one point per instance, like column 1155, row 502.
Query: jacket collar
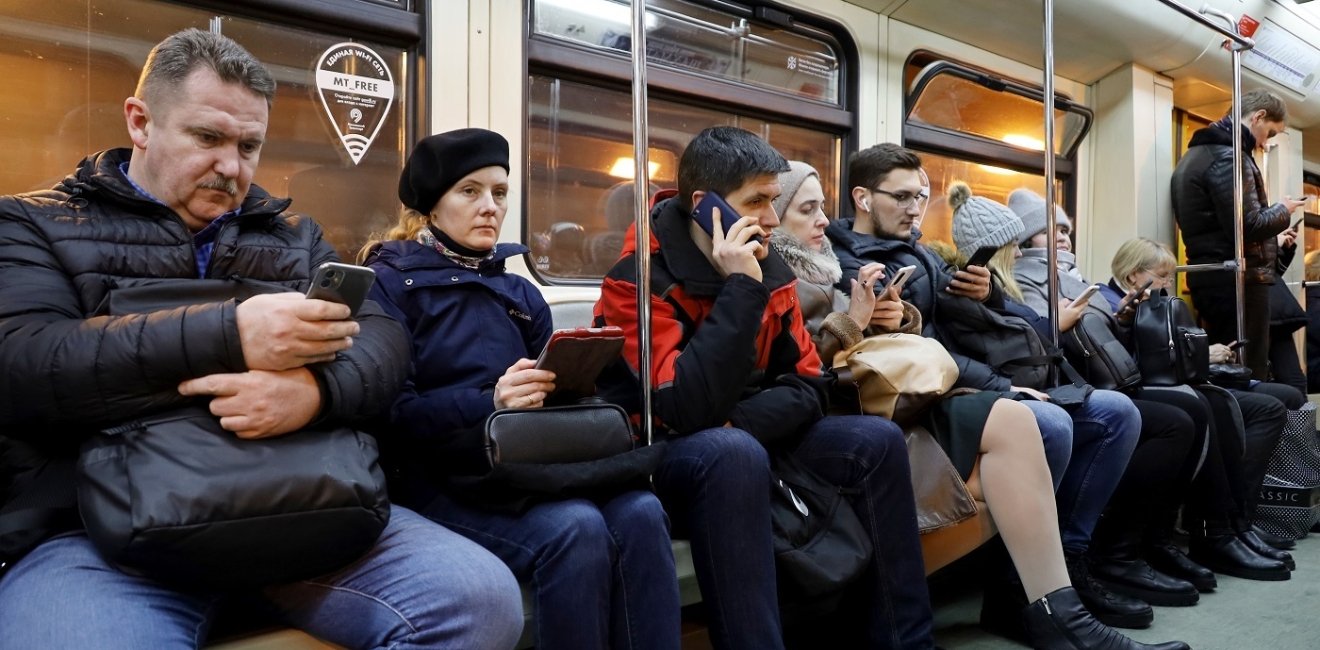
column 688, row 264
column 1219, row 134
column 861, row 245
column 99, row 175
column 411, row 255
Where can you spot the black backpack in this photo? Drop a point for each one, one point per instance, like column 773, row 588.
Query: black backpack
column 1005, row 342
column 37, row 499
column 1170, row 348
column 820, row 544
column 1104, row 362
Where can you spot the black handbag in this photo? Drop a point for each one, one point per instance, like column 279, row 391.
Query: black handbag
column 1230, row 375
column 1170, row 348
column 176, row 497
column 1101, row 358
column 820, row 544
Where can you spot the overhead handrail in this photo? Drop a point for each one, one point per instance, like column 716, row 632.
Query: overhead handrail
column 641, row 211
column 1231, row 34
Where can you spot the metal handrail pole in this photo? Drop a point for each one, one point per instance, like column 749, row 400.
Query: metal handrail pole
column 1226, row 265
column 641, row 212
column 1052, row 254
column 1240, row 276
column 1230, row 34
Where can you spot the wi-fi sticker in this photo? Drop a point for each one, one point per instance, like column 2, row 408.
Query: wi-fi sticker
column 356, row 89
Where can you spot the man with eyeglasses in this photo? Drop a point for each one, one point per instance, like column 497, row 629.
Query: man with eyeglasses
column 1202, row 193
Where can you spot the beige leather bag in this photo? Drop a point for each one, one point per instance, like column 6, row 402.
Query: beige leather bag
column 898, row 375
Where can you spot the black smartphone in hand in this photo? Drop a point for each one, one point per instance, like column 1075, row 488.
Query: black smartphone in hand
column 1134, row 296
column 703, row 214
column 982, row 256
column 345, row 284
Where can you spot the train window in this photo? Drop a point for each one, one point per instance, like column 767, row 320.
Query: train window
column 971, row 125
column 708, row 42
column 72, row 64
column 783, row 81
column 1311, row 188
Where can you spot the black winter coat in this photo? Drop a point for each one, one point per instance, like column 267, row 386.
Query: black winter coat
column 929, row 279
column 1202, row 193
column 68, row 371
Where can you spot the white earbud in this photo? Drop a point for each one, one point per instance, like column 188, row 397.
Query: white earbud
column 866, row 205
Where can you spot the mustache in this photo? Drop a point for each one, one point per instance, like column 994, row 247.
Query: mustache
column 227, row 185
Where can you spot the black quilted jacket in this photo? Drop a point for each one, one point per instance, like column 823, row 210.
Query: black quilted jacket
column 67, row 370
column 1202, row 192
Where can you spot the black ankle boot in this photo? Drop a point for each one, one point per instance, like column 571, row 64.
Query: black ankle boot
column 1169, row 559
column 1119, row 565
column 1111, row 608
column 1059, row 621
column 1258, row 545
column 1226, row 554
column 1281, row 543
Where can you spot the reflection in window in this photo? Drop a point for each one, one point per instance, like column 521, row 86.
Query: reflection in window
column 71, row 64
column 696, row 39
column 994, row 183
column 580, row 143
column 962, row 105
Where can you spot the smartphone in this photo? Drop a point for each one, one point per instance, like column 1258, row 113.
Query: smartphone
column 1297, row 223
column 896, row 279
column 728, row 216
column 1235, row 345
column 982, row 256
column 577, row 356
column 1086, row 295
column 1123, row 304
column 345, row 284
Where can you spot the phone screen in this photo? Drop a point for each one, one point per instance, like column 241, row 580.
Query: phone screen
column 982, row 256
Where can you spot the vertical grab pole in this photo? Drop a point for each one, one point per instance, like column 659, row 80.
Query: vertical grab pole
column 1236, row 45
column 641, row 211
column 1052, row 256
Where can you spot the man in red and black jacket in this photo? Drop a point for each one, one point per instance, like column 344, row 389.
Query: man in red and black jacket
column 735, row 373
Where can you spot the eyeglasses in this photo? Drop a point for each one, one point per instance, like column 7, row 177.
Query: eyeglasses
column 904, row 200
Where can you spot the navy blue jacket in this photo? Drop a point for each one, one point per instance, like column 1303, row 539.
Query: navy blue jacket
column 467, row 327
column 930, row 278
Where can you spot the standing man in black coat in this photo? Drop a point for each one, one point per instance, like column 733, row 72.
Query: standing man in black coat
column 1202, row 191
column 180, row 206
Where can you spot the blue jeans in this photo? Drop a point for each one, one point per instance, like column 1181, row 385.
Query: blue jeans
column 715, row 485
column 420, row 586
column 602, row 576
column 1105, row 430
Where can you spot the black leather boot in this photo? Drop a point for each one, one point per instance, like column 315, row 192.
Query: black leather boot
column 1118, row 564
column 1111, row 608
column 1226, row 554
column 1255, row 543
column 1059, row 621
column 1169, row 559
column 1281, row 543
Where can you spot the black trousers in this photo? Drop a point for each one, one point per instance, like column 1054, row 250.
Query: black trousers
column 1148, row 491
column 1217, row 307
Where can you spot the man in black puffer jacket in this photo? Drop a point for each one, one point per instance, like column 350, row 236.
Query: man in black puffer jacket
column 1202, row 192
column 179, row 205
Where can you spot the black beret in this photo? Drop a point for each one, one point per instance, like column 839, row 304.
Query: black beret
column 442, row 160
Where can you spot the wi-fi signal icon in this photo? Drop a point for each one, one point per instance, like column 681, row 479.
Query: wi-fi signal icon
column 356, row 146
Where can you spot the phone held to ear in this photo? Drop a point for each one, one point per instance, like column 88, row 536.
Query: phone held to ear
column 897, row 279
column 981, row 257
column 345, row 284
column 1086, row 296
column 704, row 212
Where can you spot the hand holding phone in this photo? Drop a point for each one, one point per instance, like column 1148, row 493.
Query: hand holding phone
column 703, row 214
column 1134, row 297
column 577, row 356
column 345, row 284
column 982, row 256
column 1085, row 296
column 898, row 279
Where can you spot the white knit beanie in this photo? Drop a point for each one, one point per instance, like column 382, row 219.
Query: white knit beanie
column 978, row 221
column 789, row 183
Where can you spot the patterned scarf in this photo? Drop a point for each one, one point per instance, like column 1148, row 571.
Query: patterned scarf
column 429, row 239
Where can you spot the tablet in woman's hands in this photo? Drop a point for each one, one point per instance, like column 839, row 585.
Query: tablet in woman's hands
column 577, row 356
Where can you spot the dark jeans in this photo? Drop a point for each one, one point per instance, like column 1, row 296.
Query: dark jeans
column 1148, row 489
column 1229, row 483
column 715, row 485
column 602, row 575
column 1217, row 307
column 1285, row 366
